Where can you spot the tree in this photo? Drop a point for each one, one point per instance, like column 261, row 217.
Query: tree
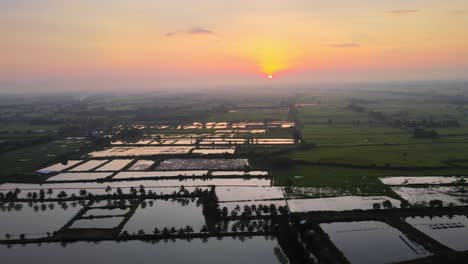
column 387, row 204
column 156, row 231
column 50, row 192
column 62, row 194
column 436, row 203
column 41, row 194
column 404, row 204
column 83, row 192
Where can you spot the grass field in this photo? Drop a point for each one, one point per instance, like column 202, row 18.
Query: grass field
column 27, row 160
column 248, row 116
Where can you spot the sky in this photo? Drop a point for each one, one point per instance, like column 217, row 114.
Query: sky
column 154, row 44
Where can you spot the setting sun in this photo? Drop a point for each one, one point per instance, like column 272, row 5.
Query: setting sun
column 270, row 76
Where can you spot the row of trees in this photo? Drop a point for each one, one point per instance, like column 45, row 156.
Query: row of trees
column 44, row 195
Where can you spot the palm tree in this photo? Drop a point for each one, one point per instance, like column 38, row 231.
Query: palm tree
column 83, row 192
column 50, row 192
column 204, row 229
column 156, row 231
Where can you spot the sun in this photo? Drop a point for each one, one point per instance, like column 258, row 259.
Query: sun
column 269, row 76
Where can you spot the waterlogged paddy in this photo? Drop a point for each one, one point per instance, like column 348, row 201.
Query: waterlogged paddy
column 203, row 164
column 422, row 196
column 59, row 166
column 140, row 151
column 105, row 212
column 157, row 174
column 89, row 165
column 208, row 151
column 239, row 173
column 35, row 219
column 141, row 165
column 226, row 250
column 160, row 213
column 400, row 180
column 79, row 176
column 227, row 194
column 99, row 188
column 342, row 203
column 232, row 205
column 453, row 234
column 372, row 242
column 115, row 165
column 104, row 223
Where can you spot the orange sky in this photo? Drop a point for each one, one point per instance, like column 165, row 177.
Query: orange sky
column 188, row 42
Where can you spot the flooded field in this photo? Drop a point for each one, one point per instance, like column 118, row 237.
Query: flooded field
column 227, row 194
column 451, row 231
column 141, row 151
column 115, row 165
column 422, row 196
column 233, row 205
column 203, row 164
column 156, row 174
column 342, row 203
column 177, row 213
column 372, row 242
column 404, row 180
column 208, row 151
column 89, row 165
column 79, row 176
column 141, row 165
column 239, row 173
column 105, row 212
column 59, row 167
column 226, row 250
column 100, row 187
column 35, row 219
column 104, row 223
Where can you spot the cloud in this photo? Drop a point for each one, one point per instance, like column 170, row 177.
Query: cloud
column 343, row 45
column 191, row 31
column 198, row 31
column 403, row 12
column 459, row 12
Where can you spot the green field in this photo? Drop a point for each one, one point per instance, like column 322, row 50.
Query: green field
column 24, row 161
column 248, row 116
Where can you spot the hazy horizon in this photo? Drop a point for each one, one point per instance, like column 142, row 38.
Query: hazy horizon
column 53, row 45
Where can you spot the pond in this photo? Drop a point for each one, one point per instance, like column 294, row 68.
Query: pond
column 372, row 242
column 227, row 251
column 451, row 231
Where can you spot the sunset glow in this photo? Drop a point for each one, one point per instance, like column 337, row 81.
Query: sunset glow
column 304, row 41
